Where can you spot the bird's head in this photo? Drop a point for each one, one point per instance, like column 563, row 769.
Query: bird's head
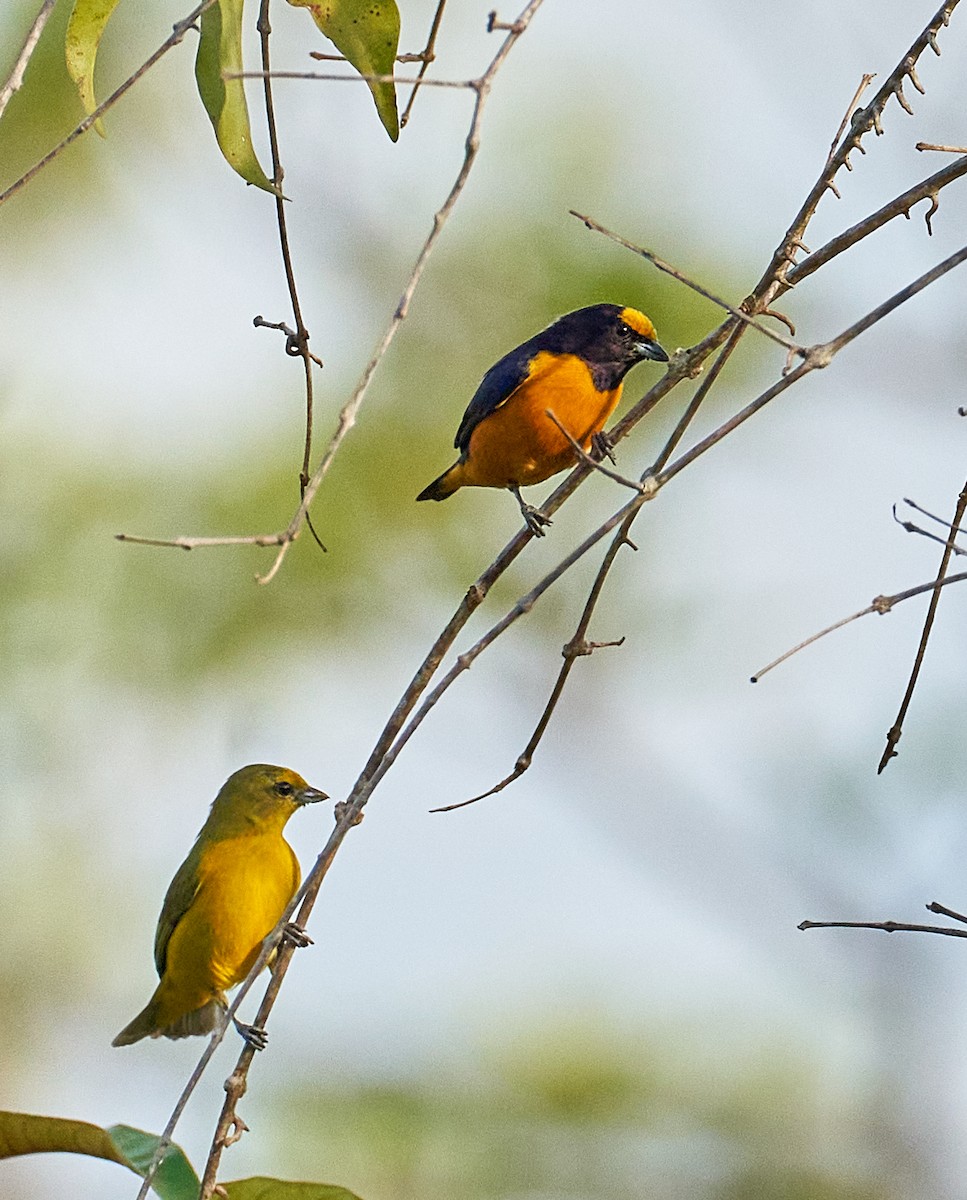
column 263, row 796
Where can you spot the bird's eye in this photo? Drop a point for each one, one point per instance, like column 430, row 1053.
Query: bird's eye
column 284, row 789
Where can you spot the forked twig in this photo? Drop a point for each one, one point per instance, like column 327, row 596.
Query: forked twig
column 427, row 57
column 896, row 729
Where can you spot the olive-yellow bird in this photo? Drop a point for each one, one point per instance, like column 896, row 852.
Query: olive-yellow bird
column 224, row 900
column 574, row 368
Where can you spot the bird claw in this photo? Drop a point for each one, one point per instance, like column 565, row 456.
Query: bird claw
column 602, row 447
column 534, row 519
column 296, row 936
column 253, row 1035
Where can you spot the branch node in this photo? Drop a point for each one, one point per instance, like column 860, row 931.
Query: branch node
column 494, row 24
column 882, row 604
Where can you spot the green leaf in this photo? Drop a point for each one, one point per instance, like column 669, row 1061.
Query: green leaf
column 260, row 1188
column 367, row 33
column 84, row 31
column 24, row 1133
column 220, row 49
column 175, row 1178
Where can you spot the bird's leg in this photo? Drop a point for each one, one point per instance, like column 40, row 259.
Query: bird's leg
column 534, row 519
column 295, row 935
column 253, row 1035
column 602, row 447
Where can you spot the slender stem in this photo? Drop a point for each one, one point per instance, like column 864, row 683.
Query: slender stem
column 15, row 80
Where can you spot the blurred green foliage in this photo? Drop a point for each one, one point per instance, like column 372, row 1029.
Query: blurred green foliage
column 589, row 1111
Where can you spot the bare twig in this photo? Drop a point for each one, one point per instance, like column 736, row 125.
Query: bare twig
column 898, row 926
column 177, row 35
column 197, row 543
column 885, row 926
column 356, row 77
column 880, row 604
column 301, row 336
column 15, row 81
column 896, row 730
column 427, row 57
column 853, row 105
column 910, row 527
column 945, row 149
column 739, row 315
column 583, row 456
column 955, row 529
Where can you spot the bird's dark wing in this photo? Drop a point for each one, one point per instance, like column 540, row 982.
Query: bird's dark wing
column 181, row 892
column 496, row 388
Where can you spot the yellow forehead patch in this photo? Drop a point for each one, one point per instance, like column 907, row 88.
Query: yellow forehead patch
column 638, row 322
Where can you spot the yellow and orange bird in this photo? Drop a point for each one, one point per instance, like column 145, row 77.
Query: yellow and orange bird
column 225, row 898
column 575, row 368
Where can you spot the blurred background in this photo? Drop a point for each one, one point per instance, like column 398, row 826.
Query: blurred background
column 590, row 987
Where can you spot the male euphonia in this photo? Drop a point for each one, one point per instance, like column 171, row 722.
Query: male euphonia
column 225, row 898
column 574, row 368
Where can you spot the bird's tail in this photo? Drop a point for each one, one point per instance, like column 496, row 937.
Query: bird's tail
column 152, row 1021
column 445, row 485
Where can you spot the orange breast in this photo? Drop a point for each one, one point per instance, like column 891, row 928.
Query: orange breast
column 519, row 444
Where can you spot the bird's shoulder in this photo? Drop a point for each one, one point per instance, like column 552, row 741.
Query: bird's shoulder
column 497, row 387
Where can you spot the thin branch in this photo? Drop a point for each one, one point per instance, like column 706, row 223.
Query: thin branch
column 880, row 604
column 177, row 35
column 852, row 107
column 898, row 926
column 896, row 730
column 909, row 527
column 945, row 149
column 15, row 81
column 196, row 543
column 297, row 342
column 301, row 337
column 885, row 926
column 940, row 520
column 739, row 315
column 356, row 77
column 428, row 55
column 582, row 455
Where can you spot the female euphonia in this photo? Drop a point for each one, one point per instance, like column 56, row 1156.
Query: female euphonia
column 225, row 898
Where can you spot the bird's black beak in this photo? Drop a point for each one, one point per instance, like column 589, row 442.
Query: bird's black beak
column 650, row 349
column 310, row 795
